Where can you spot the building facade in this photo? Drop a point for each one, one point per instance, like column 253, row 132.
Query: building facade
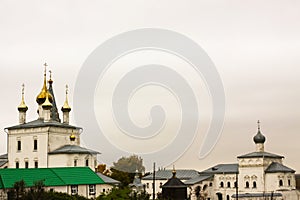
column 258, row 175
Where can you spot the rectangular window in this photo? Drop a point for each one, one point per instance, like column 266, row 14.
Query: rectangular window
column 280, row 183
column 17, row 165
column 75, row 163
column 26, row 164
column 74, row 189
column 19, row 145
column 92, row 189
column 35, row 145
column 289, row 182
column 36, row 164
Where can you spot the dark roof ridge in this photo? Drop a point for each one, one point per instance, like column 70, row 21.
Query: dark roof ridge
column 256, row 154
column 278, row 167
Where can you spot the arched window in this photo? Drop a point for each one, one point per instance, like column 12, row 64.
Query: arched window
column 197, row 191
column 247, row 184
column 204, row 187
column 235, row 184
column 289, row 182
column 222, row 184
column 210, row 184
column 227, row 197
column 228, row 184
column 280, row 182
column 254, row 184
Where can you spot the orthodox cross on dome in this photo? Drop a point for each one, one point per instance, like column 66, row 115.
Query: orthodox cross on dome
column 67, row 89
column 50, row 80
column 258, row 125
column 45, row 64
column 50, row 72
column 23, row 86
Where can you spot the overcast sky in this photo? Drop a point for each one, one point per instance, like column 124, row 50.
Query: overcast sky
column 254, row 45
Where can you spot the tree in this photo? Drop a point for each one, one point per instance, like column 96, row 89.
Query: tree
column 124, row 194
column 18, row 191
column 37, row 192
column 101, row 168
column 130, row 164
column 124, row 177
column 116, row 193
column 125, row 168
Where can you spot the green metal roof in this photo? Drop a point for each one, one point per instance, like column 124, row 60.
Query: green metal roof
column 78, row 176
column 50, row 176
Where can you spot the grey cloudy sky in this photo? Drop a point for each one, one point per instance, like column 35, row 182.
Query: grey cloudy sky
column 255, row 46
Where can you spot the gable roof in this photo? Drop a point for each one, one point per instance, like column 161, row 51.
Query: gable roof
column 70, row 149
column 3, row 162
column 260, row 155
column 278, row 167
column 222, row 169
column 107, row 179
column 197, row 179
column 41, row 123
column 3, row 159
column 183, row 174
column 51, row 176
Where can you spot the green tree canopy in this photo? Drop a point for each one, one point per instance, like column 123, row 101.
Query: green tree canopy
column 129, row 164
column 125, row 168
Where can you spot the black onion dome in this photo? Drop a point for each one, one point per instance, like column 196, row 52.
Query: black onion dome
column 259, row 138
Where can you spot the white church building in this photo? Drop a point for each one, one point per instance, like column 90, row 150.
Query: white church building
column 48, row 148
column 258, row 175
column 46, row 141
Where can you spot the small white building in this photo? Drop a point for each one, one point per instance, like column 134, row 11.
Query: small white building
column 163, row 175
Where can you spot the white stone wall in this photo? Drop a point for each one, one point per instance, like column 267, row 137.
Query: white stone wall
column 67, row 160
column 272, row 181
column 59, row 137
column 225, row 190
column 206, row 190
column 83, row 190
column 149, row 189
column 103, row 189
column 27, row 152
column 48, row 139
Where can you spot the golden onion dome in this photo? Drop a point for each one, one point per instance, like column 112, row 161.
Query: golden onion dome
column 47, row 103
column 22, row 107
column 72, row 137
column 66, row 107
column 41, row 98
